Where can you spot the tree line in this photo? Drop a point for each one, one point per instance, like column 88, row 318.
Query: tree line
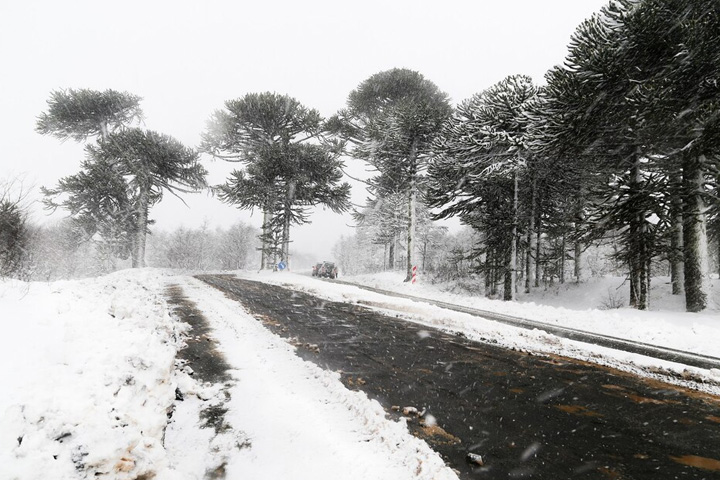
column 619, row 146
column 58, row 250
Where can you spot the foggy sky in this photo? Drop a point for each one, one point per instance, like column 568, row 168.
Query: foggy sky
column 186, row 58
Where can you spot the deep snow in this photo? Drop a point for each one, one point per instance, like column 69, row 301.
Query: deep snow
column 89, row 377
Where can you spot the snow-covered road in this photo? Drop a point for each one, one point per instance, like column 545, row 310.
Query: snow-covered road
column 291, row 418
column 691, row 332
column 516, row 410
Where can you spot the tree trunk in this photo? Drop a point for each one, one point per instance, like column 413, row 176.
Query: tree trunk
column 528, row 258
column 289, row 200
column 495, row 274
column 634, row 285
column 638, row 253
column 424, row 253
column 563, row 248
column 488, row 272
column 513, row 245
column 140, row 234
column 577, row 261
column 104, row 131
column 577, row 254
column 391, row 255
column 276, row 246
column 265, row 247
column 491, row 273
column 521, row 264
column 508, row 284
column 412, row 160
column 644, row 262
column 677, row 265
column 697, row 279
column 538, row 235
column 411, row 232
column 530, row 233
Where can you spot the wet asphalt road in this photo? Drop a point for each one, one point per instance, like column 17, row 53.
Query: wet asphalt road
column 527, row 416
column 672, row 355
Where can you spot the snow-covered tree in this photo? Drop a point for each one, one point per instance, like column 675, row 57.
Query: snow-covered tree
column 83, row 113
column 588, row 122
column 634, row 103
column 480, row 155
column 100, row 206
column 203, row 248
column 61, row 250
column 390, row 122
column 14, row 236
column 284, row 171
column 15, row 228
column 124, row 173
column 384, row 219
column 151, row 164
column 121, row 179
column 234, row 246
column 674, row 48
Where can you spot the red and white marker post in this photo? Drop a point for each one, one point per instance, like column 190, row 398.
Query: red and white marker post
column 414, row 273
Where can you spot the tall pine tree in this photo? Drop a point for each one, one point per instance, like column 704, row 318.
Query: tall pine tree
column 284, row 171
column 390, row 122
column 480, row 157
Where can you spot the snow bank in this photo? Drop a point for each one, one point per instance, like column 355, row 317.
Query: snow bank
column 86, row 372
column 584, row 306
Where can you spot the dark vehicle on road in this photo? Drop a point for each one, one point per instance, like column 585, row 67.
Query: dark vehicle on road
column 325, row 269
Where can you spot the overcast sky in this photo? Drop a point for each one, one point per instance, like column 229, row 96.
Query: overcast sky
column 185, row 58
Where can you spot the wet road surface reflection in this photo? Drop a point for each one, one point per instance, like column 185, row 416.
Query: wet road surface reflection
column 493, row 412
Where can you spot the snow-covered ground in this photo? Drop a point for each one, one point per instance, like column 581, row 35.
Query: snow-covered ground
column 86, row 374
column 89, row 378
column 587, row 306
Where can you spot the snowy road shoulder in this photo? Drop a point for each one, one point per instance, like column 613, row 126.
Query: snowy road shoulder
column 299, row 421
column 86, row 372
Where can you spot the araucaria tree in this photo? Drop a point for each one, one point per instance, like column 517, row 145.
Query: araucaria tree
column 390, row 122
column 678, row 91
column 480, row 158
column 124, row 173
column 150, row 163
column 637, row 104
column 286, row 167
column 83, row 113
